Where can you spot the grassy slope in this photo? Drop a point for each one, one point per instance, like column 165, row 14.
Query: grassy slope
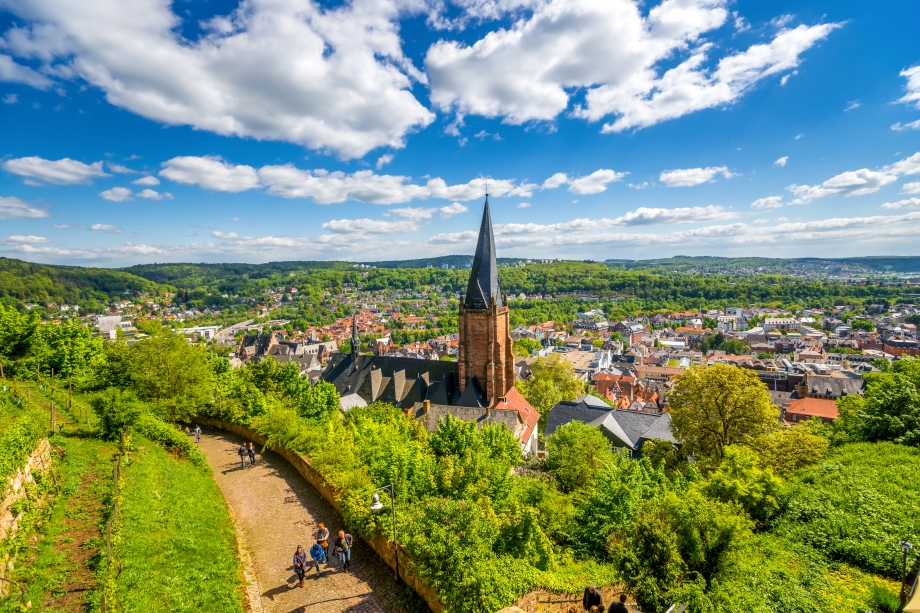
column 176, row 541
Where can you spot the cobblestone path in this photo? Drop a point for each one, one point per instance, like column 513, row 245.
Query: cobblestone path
column 276, row 510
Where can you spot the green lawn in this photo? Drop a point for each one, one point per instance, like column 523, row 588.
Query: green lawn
column 176, row 542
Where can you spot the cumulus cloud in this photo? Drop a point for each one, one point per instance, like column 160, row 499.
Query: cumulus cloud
column 856, row 182
column 120, row 169
column 117, row 194
column 851, row 105
column 913, row 86
column 210, row 172
column 642, row 216
column 560, row 178
column 688, row 177
column 781, row 161
column 911, row 188
column 23, row 240
column 150, row 194
column 524, row 205
column 67, row 226
column 61, row 172
column 594, row 183
column 899, row 127
column 369, row 226
column 12, row 207
column 412, row 213
column 770, row 202
column 10, row 99
column 102, row 227
column 149, row 180
column 612, row 52
column 383, row 160
column 289, row 70
column 910, row 203
column 453, row 209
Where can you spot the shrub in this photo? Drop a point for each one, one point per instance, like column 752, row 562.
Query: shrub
column 884, row 600
column 116, row 411
column 171, row 438
column 575, row 453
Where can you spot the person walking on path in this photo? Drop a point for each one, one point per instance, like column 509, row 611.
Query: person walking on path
column 242, row 453
column 343, row 548
column 619, row 607
column 300, row 564
column 197, row 433
column 591, row 598
column 322, row 537
column 252, row 454
column 316, row 552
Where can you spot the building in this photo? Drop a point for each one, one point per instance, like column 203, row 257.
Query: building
column 804, row 409
column 478, row 387
column 780, row 323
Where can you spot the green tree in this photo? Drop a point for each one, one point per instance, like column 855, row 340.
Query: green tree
column 524, row 347
column 738, row 479
column 575, row 454
column 712, row 408
column 890, row 410
column 862, row 324
column 789, row 449
column 552, row 381
column 116, row 410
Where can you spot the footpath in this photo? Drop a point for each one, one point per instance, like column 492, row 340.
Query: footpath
column 276, row 510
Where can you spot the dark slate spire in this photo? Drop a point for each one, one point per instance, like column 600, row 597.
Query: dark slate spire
column 355, row 341
column 483, row 290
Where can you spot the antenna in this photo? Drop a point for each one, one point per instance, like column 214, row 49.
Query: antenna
column 487, row 187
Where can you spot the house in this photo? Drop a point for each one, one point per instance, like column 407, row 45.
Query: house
column 624, row 428
column 831, row 387
column 804, row 409
column 780, row 323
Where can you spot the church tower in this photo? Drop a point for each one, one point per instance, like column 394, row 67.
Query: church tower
column 485, row 358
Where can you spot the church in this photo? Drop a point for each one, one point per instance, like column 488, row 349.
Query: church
column 478, row 387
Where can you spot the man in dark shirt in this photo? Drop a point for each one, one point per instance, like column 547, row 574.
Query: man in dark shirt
column 619, row 607
column 592, row 598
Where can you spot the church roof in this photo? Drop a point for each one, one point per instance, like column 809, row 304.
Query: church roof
column 483, row 289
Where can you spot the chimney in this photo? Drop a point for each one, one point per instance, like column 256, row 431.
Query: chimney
column 426, row 404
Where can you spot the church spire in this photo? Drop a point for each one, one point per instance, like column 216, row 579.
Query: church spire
column 483, row 290
column 355, row 341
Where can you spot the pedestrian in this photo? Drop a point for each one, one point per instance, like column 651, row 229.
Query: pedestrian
column 300, row 564
column 242, row 453
column 197, row 433
column 343, row 548
column 252, row 454
column 592, row 598
column 322, row 537
column 619, row 607
column 316, row 552
column 187, row 433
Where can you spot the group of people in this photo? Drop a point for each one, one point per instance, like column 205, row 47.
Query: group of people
column 319, row 553
column 196, row 432
column 594, row 603
column 246, row 451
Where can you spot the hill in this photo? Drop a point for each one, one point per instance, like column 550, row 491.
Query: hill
column 871, row 265
column 452, row 261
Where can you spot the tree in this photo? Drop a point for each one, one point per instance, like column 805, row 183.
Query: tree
column 738, row 479
column 552, row 381
column 116, row 410
column 712, row 408
column 862, row 324
column 575, row 453
column 789, row 449
column 524, row 347
column 890, row 410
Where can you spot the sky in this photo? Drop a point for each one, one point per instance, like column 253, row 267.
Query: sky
column 362, row 130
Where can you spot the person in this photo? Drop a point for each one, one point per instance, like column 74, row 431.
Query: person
column 300, row 564
column 252, row 454
column 242, row 453
column 592, row 598
column 187, row 433
column 343, row 548
column 619, row 607
column 197, row 433
column 316, row 552
column 322, row 537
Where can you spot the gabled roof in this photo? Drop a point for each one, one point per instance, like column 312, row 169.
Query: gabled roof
column 483, row 290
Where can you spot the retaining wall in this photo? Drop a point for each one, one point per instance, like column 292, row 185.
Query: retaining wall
column 380, row 544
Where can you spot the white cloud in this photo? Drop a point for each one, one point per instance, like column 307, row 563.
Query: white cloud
column 850, row 183
column 369, row 226
column 851, row 105
column 907, row 166
column 412, row 213
column 781, row 162
column 594, row 183
column 210, row 172
column 67, row 226
column 121, row 169
column 62, row 172
column 454, row 209
column 524, row 205
column 327, row 78
column 911, row 188
column 12, row 207
column 560, row 178
column 899, row 127
column 785, row 78
column 913, row 86
column 612, row 52
column 102, row 227
column 150, row 194
column 688, row 177
column 148, row 180
column 117, row 194
column 640, row 217
column 798, row 136
column 642, row 185
column 10, row 99
column 23, row 240
column 383, row 160
column 770, row 202
column 910, row 203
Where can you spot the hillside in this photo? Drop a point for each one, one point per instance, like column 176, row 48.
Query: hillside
column 872, row 265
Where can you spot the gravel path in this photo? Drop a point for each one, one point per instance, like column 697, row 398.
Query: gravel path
column 276, row 510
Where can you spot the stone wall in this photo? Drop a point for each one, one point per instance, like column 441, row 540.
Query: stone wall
column 380, row 544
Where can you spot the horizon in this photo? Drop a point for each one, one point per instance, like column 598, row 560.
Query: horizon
column 605, row 129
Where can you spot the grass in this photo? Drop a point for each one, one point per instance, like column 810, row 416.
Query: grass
column 176, row 541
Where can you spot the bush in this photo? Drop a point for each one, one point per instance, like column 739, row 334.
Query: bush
column 884, row 600
column 116, row 411
column 575, row 453
column 171, row 438
column 18, row 441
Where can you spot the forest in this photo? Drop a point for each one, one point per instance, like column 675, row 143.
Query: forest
column 759, row 518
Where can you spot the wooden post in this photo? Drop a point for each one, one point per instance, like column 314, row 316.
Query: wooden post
column 52, row 383
column 52, row 418
column 2, row 376
column 108, row 541
column 70, row 393
column 116, row 475
column 102, row 604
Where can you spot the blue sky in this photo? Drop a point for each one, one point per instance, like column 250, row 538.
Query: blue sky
column 264, row 130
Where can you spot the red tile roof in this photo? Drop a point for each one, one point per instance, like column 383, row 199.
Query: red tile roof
column 529, row 415
column 813, row 407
